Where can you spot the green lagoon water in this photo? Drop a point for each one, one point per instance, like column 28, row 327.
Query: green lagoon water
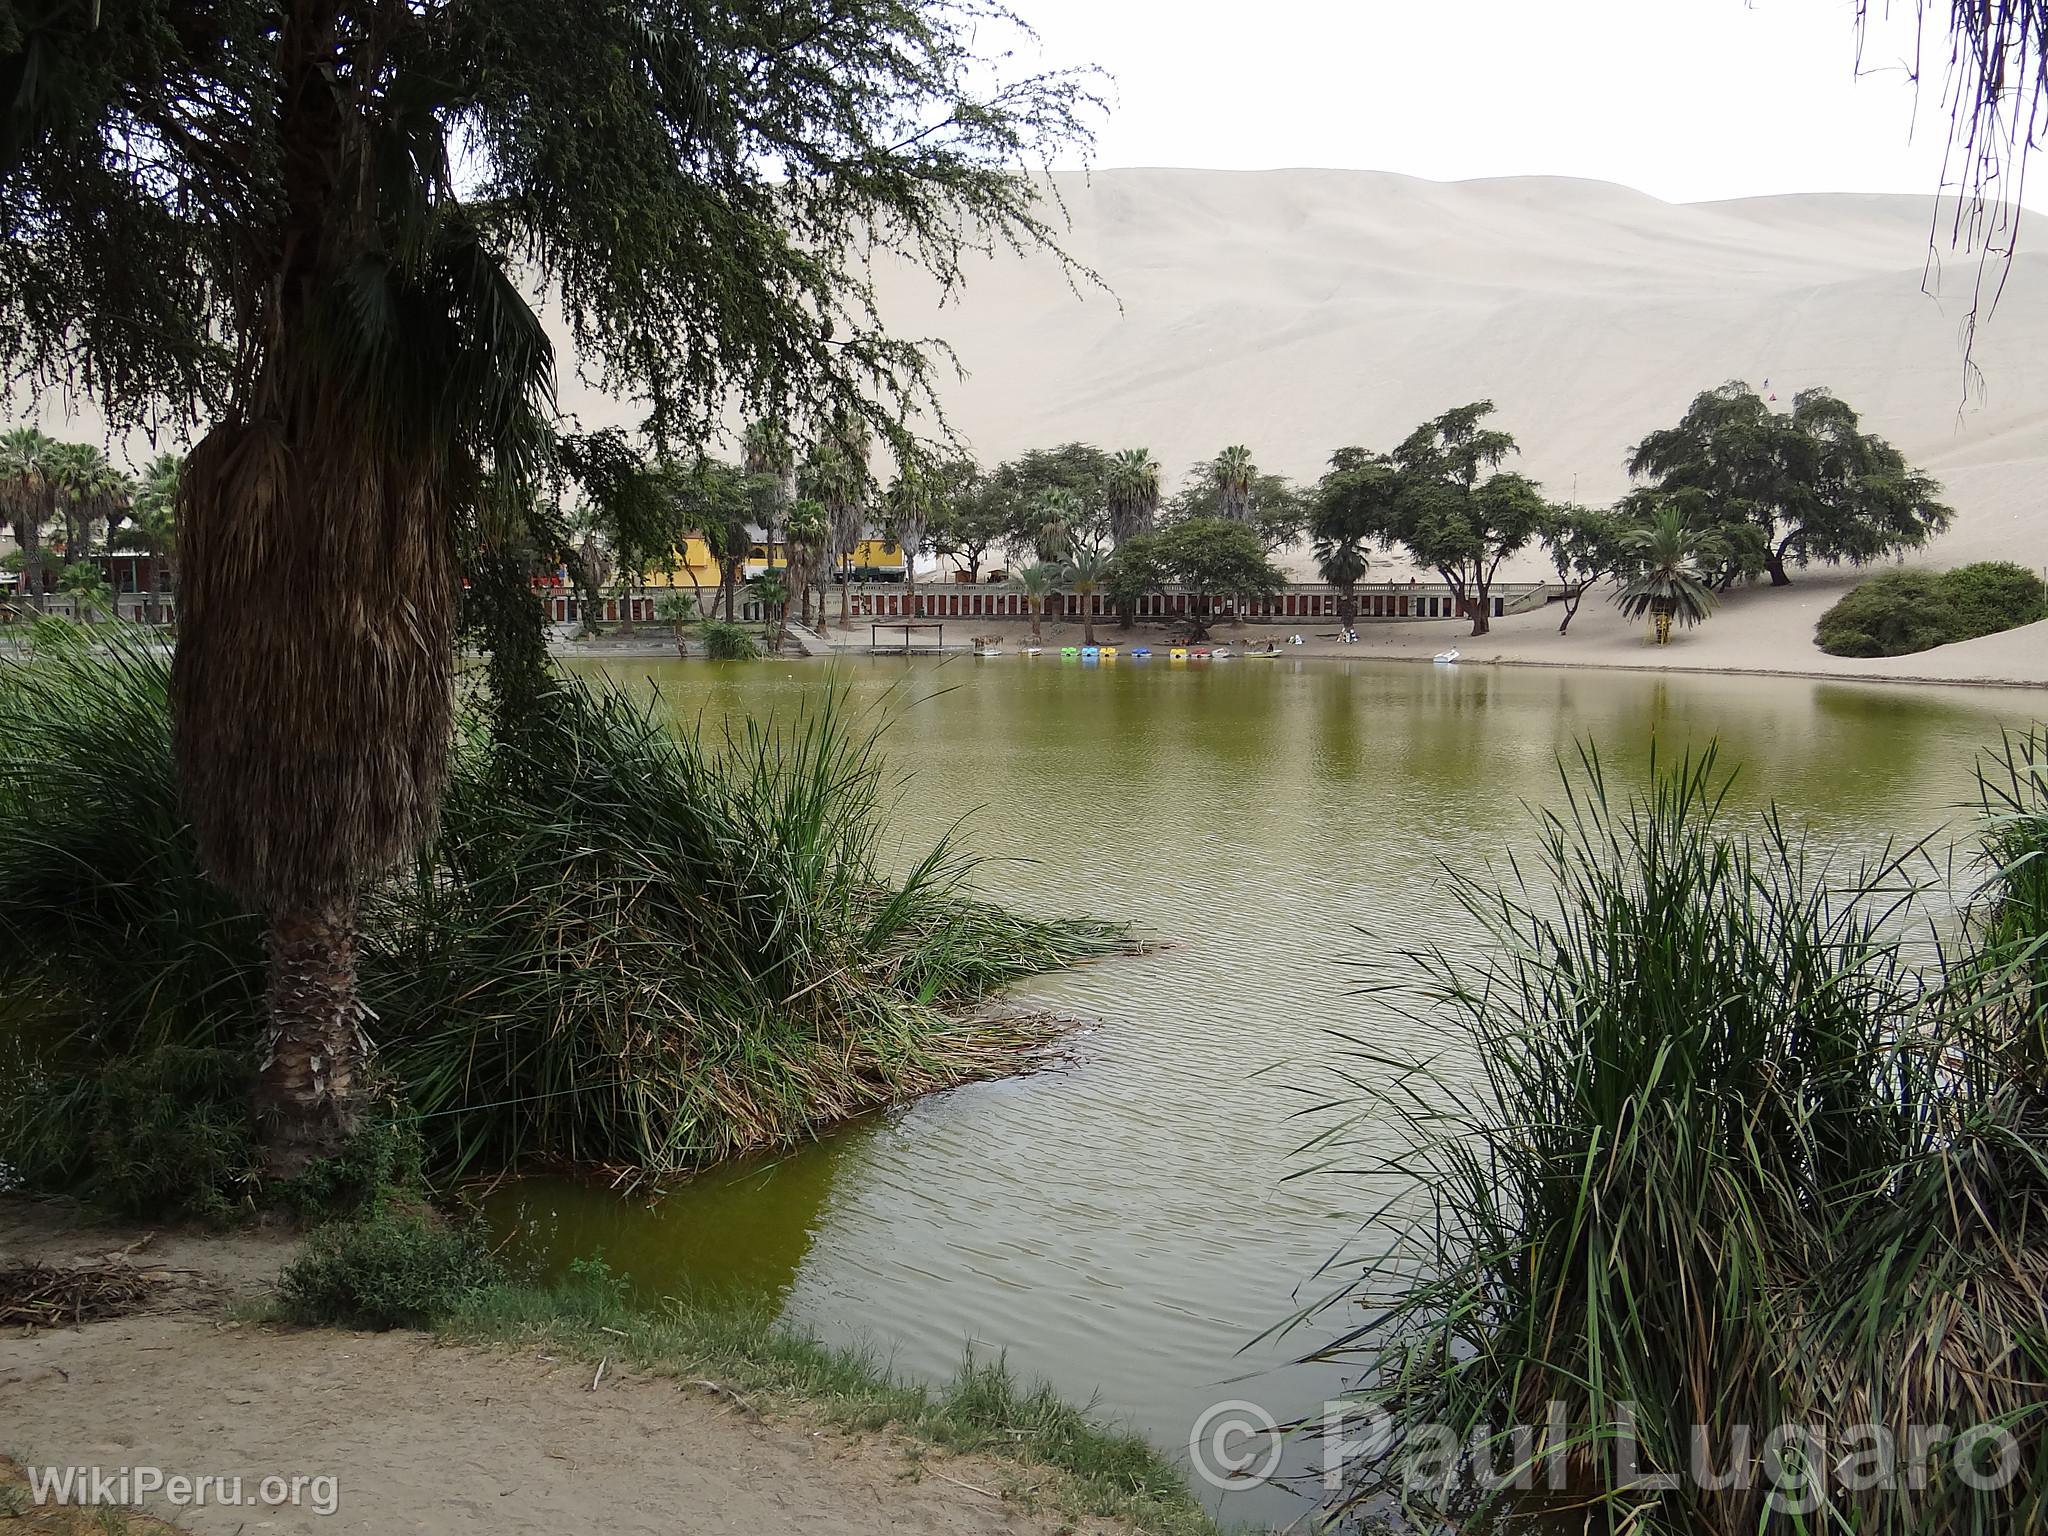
column 1126, row 1226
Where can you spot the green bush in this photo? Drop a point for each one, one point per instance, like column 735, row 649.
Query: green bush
column 153, row 1130
column 1992, row 596
column 1901, row 612
column 397, row 1265
column 1895, row 614
column 728, row 642
column 385, row 1158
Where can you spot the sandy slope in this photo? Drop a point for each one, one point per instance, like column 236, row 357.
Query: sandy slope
column 432, row 1439
column 1300, row 310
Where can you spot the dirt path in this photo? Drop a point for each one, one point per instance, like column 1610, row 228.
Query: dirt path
column 425, row 1438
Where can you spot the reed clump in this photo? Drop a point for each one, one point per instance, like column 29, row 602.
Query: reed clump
column 1733, row 1213
column 627, row 947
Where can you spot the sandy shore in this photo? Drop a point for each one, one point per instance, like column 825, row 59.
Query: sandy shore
column 1762, row 630
column 425, row 1437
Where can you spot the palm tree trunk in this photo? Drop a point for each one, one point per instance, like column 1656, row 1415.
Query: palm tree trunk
column 32, row 566
column 1037, row 613
column 846, row 593
column 1087, row 619
column 307, row 1091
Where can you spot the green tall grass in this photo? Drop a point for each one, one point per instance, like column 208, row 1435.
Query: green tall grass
column 664, row 950
column 625, row 948
column 1716, row 1155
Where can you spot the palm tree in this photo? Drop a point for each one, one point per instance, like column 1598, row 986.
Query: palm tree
column 839, row 478
column 89, row 490
column 1236, row 474
column 90, row 595
column 27, row 501
column 1132, row 490
column 1057, row 513
column 1133, row 494
column 1668, row 560
column 1039, row 580
column 1085, row 572
column 809, row 534
column 593, row 565
column 772, row 592
column 1341, row 559
column 909, row 507
column 155, row 525
column 770, row 462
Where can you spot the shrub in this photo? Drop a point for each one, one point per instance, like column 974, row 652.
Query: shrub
column 398, row 1265
column 1895, row 614
column 1901, row 612
column 1992, row 596
column 385, row 1159
column 728, row 642
column 149, row 1130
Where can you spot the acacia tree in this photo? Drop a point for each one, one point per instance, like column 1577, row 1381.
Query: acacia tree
column 1206, row 557
column 714, row 500
column 248, row 212
column 1773, row 487
column 1586, row 545
column 1456, row 511
column 972, row 518
column 1074, row 478
column 1354, row 506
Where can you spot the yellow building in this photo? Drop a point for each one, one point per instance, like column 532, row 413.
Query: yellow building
column 692, row 565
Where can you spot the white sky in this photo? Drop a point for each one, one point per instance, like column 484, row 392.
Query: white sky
column 1684, row 99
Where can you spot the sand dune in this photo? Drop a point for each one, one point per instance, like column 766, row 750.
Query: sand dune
column 1300, row 310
